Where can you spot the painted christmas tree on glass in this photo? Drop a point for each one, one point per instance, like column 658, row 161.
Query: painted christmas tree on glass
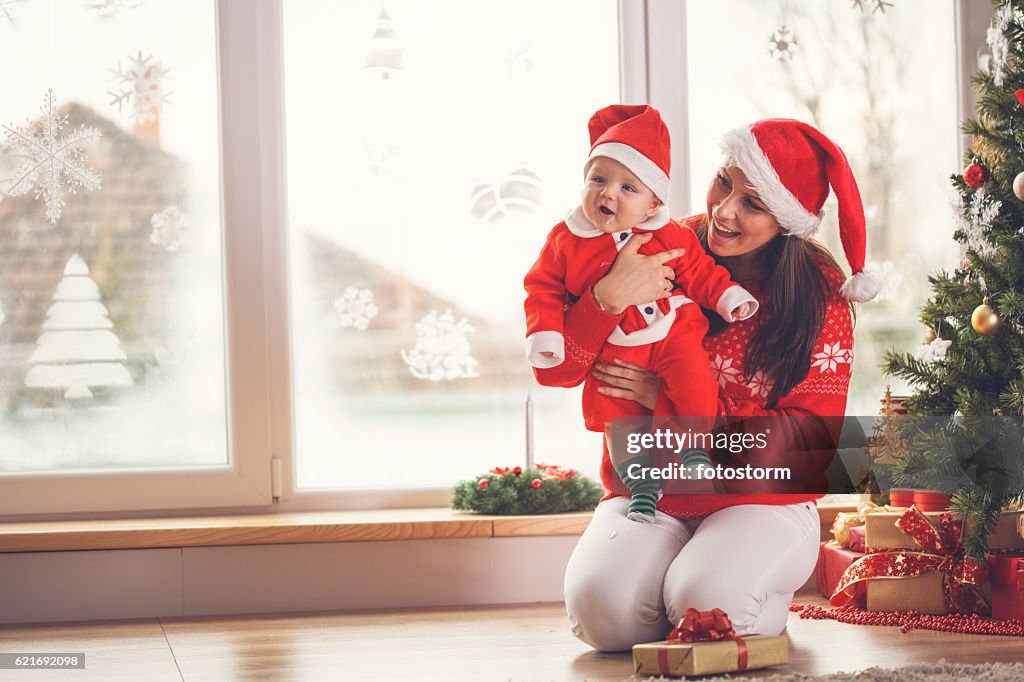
column 78, row 350
column 965, row 427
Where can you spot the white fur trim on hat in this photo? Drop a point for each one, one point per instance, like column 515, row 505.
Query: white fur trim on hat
column 862, row 287
column 740, row 148
column 642, row 167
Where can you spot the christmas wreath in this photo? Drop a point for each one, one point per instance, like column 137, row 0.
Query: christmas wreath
column 545, row 489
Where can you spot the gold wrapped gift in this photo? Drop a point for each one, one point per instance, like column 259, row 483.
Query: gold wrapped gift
column 707, row 658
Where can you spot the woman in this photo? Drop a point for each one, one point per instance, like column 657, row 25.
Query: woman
column 628, row 583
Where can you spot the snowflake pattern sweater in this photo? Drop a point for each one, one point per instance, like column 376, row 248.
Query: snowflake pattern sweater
column 821, row 394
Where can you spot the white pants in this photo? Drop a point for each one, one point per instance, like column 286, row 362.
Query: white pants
column 629, row 582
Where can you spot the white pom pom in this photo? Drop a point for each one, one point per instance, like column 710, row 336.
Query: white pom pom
column 862, row 287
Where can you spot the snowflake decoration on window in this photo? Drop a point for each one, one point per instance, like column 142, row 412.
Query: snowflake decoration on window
column 356, row 308
column 170, row 228
column 782, row 44
column 831, row 356
column 141, row 87
column 876, row 5
column 998, row 42
column 50, row 163
column 442, row 349
column 108, row 8
column 5, row 9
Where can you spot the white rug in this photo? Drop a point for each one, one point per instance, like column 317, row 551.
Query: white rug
column 925, row 672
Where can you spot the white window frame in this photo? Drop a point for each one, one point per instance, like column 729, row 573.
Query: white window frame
column 653, row 69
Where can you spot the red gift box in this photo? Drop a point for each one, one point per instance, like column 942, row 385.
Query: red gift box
column 857, row 539
column 833, row 560
column 1007, row 576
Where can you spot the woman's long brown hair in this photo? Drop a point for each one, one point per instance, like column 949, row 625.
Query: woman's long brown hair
column 798, row 292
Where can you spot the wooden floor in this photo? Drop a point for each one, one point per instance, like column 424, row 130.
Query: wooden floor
column 466, row 645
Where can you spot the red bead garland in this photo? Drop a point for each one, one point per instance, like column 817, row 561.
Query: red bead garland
column 911, row 620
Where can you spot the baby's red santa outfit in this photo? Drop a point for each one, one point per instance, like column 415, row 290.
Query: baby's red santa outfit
column 665, row 335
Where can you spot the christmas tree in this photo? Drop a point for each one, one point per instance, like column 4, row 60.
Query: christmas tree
column 78, row 350
column 964, row 431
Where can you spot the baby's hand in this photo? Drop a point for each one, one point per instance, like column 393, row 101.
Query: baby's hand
column 741, row 311
column 548, row 354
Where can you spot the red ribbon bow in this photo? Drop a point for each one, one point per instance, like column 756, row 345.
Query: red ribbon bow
column 704, row 626
column 937, row 550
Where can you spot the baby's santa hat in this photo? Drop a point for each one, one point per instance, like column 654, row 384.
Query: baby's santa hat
column 791, row 165
column 635, row 136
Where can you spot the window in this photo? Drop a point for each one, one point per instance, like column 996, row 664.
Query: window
column 308, row 243
column 889, row 101
column 423, row 177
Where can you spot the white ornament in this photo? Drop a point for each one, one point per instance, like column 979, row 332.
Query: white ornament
column 888, row 275
column 933, row 351
column 5, row 9
column 141, row 87
column 356, row 308
column 51, row 163
column 997, row 41
column 108, row 8
column 442, row 350
column 781, row 44
column 831, row 357
column 170, row 228
column 974, row 217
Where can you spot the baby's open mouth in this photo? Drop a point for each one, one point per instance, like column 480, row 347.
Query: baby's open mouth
column 606, row 211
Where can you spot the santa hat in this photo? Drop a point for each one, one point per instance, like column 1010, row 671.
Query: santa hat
column 635, row 136
column 791, row 165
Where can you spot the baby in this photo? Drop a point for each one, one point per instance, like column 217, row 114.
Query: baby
column 625, row 192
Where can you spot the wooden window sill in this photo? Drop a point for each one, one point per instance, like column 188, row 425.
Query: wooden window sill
column 273, row 529
column 306, row 527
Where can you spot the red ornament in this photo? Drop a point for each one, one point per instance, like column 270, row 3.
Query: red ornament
column 484, row 483
column 517, row 471
column 1020, row 96
column 975, row 175
column 536, row 483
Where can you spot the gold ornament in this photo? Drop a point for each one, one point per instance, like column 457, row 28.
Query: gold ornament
column 1018, row 186
column 986, row 320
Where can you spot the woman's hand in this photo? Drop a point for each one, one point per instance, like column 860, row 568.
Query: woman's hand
column 628, row 381
column 635, row 278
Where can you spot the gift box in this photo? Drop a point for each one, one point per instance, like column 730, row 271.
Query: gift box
column 858, row 539
column 914, row 563
column 704, row 643
column 709, row 658
column 833, row 560
column 1007, row 576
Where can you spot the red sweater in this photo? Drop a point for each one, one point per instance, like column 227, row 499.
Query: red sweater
column 822, row 393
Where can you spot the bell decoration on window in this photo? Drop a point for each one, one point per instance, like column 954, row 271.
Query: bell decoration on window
column 975, row 174
column 385, row 55
column 985, row 320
